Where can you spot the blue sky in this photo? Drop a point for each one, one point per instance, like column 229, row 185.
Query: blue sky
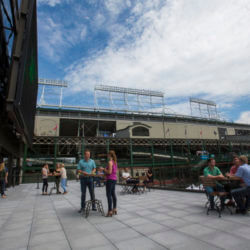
column 184, row 48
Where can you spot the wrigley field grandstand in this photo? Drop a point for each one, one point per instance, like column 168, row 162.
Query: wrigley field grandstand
column 136, row 125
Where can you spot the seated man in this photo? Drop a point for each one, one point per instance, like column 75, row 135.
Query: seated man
column 211, row 171
column 129, row 180
column 242, row 193
column 126, row 175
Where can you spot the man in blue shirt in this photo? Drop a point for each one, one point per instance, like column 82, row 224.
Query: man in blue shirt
column 239, row 194
column 86, row 167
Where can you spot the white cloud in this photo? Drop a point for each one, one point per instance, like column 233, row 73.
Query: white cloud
column 55, row 39
column 51, row 3
column 244, row 117
column 181, row 47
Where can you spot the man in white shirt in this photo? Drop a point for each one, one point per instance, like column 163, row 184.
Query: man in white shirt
column 126, row 175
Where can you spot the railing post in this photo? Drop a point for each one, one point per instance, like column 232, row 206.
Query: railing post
column 37, row 186
column 25, row 157
column 82, row 147
column 131, row 157
column 152, row 155
column 172, row 153
column 55, row 152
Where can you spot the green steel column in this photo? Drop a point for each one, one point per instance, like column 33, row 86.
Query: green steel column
column 131, row 157
column 230, row 146
column 189, row 152
column 25, row 157
column 107, row 145
column 203, row 145
column 219, row 150
column 82, row 147
column 55, row 152
column 241, row 149
column 152, row 154
column 172, row 153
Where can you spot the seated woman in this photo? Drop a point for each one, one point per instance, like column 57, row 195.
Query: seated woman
column 235, row 184
column 211, row 171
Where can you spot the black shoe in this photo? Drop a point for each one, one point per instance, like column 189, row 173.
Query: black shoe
column 94, row 209
column 81, row 210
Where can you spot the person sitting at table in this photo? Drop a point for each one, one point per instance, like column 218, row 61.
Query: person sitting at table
column 213, row 172
column 242, row 193
column 232, row 185
column 129, row 180
column 126, row 175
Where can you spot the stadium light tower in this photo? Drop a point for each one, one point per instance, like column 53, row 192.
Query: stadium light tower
column 128, row 99
column 55, row 83
column 203, row 108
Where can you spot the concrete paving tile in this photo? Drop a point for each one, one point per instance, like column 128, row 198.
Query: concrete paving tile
column 13, row 233
column 59, row 245
column 225, row 240
column 106, row 247
column 170, row 238
column 7, row 244
column 141, row 243
column 111, row 226
column 178, row 213
column 175, row 222
column 89, row 241
column 158, row 217
column 150, row 228
column 195, row 230
column 137, row 221
column 36, row 229
column 41, row 238
column 194, row 245
column 121, row 235
column 241, row 231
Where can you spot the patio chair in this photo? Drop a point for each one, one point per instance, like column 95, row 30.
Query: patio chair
column 208, row 182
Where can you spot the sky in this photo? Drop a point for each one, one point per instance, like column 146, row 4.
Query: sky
column 183, row 48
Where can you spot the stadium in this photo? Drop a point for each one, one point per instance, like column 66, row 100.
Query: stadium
column 143, row 137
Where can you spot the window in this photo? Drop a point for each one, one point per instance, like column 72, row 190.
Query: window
column 140, row 131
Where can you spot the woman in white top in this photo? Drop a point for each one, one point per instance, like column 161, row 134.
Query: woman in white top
column 45, row 174
column 63, row 178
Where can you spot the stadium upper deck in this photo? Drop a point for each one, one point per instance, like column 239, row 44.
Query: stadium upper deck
column 92, row 123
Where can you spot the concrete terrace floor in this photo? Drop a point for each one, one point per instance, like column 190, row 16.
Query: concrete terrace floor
column 155, row 220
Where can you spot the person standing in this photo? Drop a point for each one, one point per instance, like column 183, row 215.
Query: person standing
column 111, row 178
column 85, row 168
column 63, row 173
column 57, row 174
column 3, row 179
column 45, row 175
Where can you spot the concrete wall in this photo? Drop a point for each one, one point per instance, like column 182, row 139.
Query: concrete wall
column 155, row 131
column 47, row 126
column 180, row 130
column 174, row 130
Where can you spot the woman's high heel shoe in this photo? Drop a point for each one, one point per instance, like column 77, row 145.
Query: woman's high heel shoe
column 109, row 214
column 114, row 212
